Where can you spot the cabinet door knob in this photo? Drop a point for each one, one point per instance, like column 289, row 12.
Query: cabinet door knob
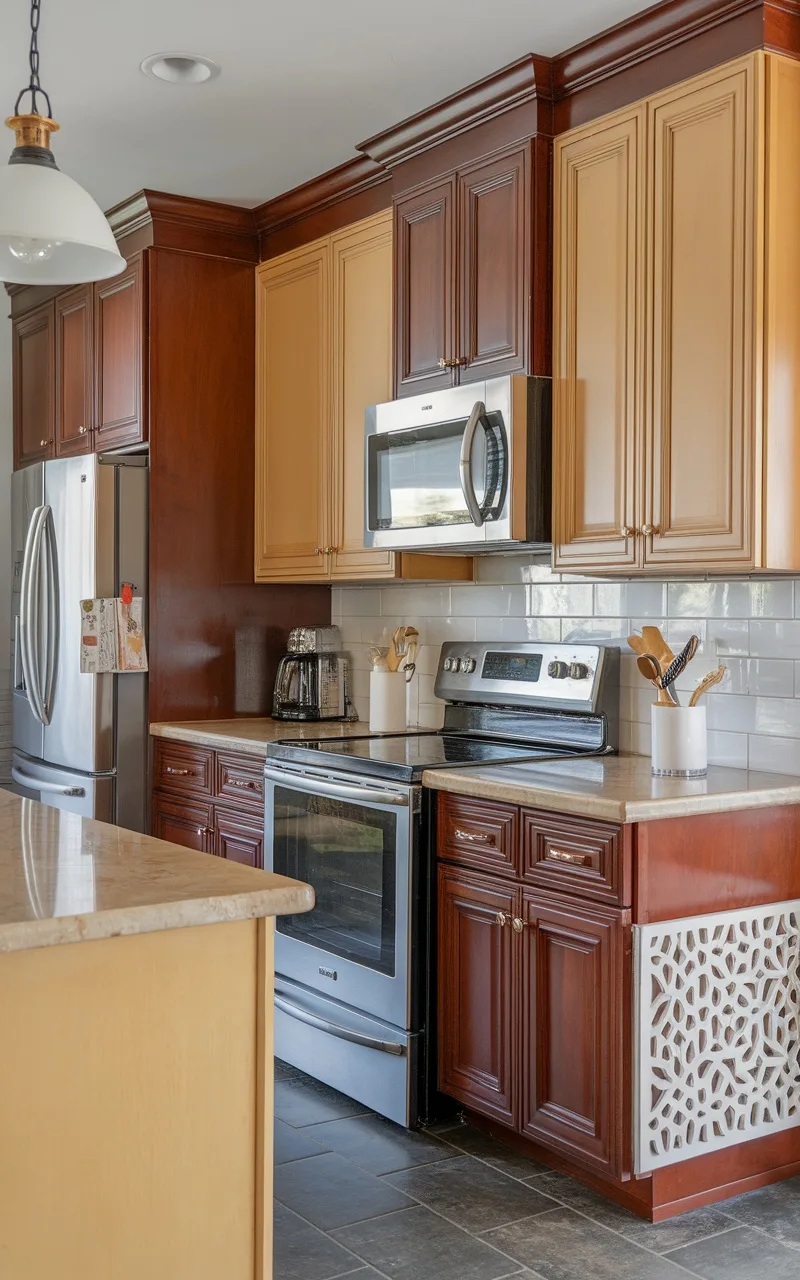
column 517, row 924
column 650, row 530
column 501, row 918
column 453, row 364
column 81, row 431
column 44, row 443
column 627, row 532
column 328, row 551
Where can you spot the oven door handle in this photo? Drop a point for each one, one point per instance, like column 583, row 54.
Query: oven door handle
column 333, row 1028
column 337, row 790
column 465, row 464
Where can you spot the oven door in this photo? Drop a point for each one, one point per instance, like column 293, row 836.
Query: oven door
column 352, row 842
column 437, row 471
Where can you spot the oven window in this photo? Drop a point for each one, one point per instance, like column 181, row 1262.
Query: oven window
column 346, row 852
column 414, row 479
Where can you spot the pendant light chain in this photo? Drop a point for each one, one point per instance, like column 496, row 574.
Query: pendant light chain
column 34, row 87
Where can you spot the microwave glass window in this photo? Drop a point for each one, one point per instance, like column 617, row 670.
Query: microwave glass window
column 346, row 852
column 415, row 475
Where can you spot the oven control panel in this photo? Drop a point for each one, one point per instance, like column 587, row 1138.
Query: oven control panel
column 529, row 673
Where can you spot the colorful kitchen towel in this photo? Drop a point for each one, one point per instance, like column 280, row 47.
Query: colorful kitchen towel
column 112, row 636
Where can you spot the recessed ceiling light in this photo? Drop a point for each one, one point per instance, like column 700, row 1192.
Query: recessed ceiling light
column 180, row 68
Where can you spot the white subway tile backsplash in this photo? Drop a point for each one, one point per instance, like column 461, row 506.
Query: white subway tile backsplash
column 753, row 628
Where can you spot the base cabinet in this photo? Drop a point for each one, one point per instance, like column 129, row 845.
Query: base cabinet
column 230, row 823
column 533, row 989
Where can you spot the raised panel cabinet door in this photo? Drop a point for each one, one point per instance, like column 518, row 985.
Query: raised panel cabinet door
column 424, row 280
column 574, row 1003
column 119, row 358
column 74, row 372
column 239, row 838
column 478, row 993
column 702, row 241
column 34, row 385
column 361, row 269
column 494, row 233
column 293, row 414
column 180, row 823
column 597, row 387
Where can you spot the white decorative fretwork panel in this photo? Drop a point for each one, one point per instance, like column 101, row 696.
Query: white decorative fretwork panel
column 717, row 1031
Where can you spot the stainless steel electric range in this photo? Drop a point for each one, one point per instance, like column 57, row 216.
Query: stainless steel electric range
column 355, row 978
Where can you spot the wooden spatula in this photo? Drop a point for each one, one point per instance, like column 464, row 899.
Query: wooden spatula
column 657, row 645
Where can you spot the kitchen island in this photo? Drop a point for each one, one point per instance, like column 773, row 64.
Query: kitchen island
column 136, row 989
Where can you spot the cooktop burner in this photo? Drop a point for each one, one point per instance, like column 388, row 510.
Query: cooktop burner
column 406, row 757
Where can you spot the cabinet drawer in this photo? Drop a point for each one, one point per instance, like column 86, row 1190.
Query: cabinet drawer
column 240, row 778
column 478, row 833
column 578, row 856
column 186, row 824
column 180, row 768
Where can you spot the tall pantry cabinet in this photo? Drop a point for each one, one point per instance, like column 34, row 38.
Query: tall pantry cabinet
column 677, row 329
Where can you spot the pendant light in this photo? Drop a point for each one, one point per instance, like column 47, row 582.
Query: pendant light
column 51, row 230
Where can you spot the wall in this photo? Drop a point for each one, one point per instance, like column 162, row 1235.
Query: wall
column 751, row 626
column 6, row 466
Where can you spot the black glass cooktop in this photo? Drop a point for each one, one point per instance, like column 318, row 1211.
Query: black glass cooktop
column 405, row 757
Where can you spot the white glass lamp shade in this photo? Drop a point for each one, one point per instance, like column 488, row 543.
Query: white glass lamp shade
column 51, row 230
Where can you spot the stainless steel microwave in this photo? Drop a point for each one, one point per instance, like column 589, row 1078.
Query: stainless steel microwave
column 468, row 468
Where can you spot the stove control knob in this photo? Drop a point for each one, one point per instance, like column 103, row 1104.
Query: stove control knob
column 449, row 665
column 558, row 670
column 579, row 671
column 467, row 665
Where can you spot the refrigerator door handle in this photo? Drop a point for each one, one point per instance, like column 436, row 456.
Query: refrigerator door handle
column 53, row 619
column 29, row 613
column 36, row 784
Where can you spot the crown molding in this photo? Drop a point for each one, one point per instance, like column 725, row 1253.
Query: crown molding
column 349, row 179
column 527, row 80
column 182, row 222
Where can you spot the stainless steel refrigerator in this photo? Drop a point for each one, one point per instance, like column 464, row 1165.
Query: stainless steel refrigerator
column 79, row 530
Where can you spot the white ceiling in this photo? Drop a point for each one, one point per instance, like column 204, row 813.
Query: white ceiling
column 301, row 82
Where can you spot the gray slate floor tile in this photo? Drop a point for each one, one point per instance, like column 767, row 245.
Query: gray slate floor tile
column 658, row 1236
column 774, row 1209
column 562, row 1245
column 473, row 1142
column 378, row 1145
column 304, row 1253
column 332, row 1192
column 293, row 1144
column 470, row 1193
column 740, row 1254
column 419, row 1245
column 302, row 1101
column 283, row 1071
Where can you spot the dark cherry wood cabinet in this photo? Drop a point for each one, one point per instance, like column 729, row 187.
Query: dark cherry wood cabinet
column 425, row 329
column 572, row 1006
column 74, row 375
column 34, row 385
column 119, row 361
column 533, row 977
column 209, row 800
column 463, row 275
column 478, row 996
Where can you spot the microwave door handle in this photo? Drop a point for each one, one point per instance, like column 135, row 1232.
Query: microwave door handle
column 465, row 464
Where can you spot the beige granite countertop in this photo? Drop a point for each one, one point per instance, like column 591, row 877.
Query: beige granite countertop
column 618, row 788
column 70, row 879
column 252, row 735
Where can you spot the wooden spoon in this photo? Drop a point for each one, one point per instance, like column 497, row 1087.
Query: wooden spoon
column 657, row 645
column 651, row 671
column 707, row 683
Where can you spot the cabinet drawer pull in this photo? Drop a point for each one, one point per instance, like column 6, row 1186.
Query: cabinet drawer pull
column 244, row 784
column 560, row 855
column 501, row 918
column 179, row 773
column 474, row 837
column 517, row 924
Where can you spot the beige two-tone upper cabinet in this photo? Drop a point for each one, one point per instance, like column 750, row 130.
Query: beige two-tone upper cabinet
column 677, row 329
column 323, row 354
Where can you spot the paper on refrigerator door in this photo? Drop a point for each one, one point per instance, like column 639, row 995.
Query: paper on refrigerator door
column 112, row 636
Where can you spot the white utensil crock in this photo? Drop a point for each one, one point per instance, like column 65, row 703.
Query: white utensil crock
column 679, row 742
column 387, row 701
